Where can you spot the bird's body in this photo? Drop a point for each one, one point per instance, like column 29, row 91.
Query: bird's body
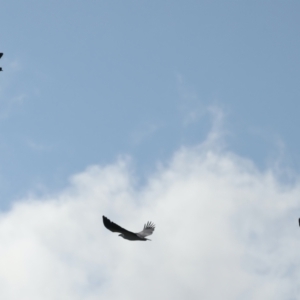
column 128, row 235
column 0, row 57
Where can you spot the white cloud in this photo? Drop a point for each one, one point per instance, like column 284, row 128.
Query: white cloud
column 225, row 230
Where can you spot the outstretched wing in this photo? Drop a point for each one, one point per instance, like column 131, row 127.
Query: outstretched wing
column 148, row 229
column 114, row 227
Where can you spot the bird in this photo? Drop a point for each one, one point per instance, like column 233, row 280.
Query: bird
column 0, row 57
column 128, row 235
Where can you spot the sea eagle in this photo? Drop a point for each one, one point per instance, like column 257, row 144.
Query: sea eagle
column 128, row 235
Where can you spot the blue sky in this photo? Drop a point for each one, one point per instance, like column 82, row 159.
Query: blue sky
column 86, row 82
column 106, row 100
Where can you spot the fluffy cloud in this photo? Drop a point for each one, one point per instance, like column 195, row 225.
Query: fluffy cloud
column 225, row 230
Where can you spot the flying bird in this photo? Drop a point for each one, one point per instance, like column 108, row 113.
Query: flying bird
column 128, row 235
column 0, row 57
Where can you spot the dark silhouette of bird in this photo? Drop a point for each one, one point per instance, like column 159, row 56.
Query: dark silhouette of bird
column 128, row 235
column 1, row 54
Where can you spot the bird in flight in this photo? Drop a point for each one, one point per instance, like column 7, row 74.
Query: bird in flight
column 0, row 57
column 128, row 235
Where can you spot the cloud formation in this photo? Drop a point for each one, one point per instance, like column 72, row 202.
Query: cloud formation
column 225, row 230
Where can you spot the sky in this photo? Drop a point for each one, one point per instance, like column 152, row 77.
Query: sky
column 181, row 113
